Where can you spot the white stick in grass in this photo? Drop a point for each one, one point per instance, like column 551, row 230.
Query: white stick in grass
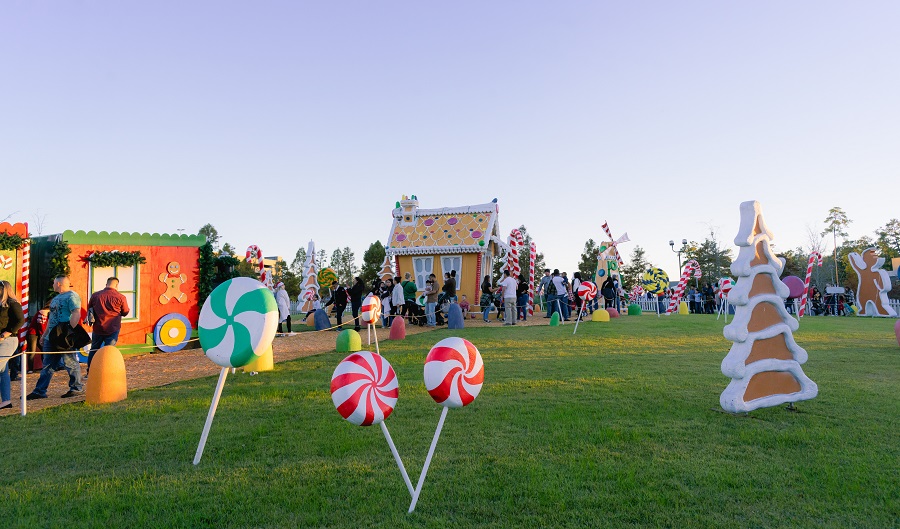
column 387, row 435
column 578, row 319
column 437, row 435
column 212, row 413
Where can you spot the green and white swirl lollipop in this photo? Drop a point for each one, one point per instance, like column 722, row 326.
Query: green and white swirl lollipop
column 238, row 322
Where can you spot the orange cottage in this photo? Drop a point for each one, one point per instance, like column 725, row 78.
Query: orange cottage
column 465, row 239
column 165, row 283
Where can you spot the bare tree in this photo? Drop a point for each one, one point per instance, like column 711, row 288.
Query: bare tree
column 40, row 219
column 815, row 241
column 6, row 218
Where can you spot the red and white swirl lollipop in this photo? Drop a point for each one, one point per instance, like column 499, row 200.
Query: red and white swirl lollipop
column 370, row 310
column 364, row 388
column 587, row 291
column 454, row 372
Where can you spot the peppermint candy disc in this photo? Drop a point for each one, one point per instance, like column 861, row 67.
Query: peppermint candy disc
column 238, row 322
column 370, row 310
column 454, row 372
column 724, row 286
column 587, row 290
column 364, row 388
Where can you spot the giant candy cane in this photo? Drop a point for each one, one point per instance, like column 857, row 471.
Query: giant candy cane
column 516, row 240
column 253, row 252
column 532, row 257
column 690, row 266
column 813, row 257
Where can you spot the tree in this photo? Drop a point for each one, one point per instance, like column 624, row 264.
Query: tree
column 794, row 263
column 207, row 272
column 633, row 271
column 227, row 250
column 212, row 235
column 714, row 260
column 835, row 223
column 372, row 259
column 321, row 260
column 588, row 263
column 291, row 280
column 299, row 261
column 889, row 239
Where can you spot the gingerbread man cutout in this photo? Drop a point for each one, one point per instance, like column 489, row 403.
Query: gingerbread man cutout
column 874, row 284
column 173, row 281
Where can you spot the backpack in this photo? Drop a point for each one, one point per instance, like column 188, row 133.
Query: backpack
column 551, row 288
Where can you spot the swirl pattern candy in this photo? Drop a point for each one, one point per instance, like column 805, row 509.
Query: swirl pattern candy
column 238, row 322
column 587, row 291
column 325, row 277
column 454, row 372
column 370, row 310
column 724, row 286
column 172, row 332
column 655, row 281
column 364, row 388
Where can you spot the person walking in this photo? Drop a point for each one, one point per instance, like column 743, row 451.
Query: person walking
column 398, row 302
column 339, row 300
column 11, row 320
column 356, row 297
column 65, row 313
column 106, row 308
column 431, row 295
column 283, row 300
column 508, row 285
column 522, row 299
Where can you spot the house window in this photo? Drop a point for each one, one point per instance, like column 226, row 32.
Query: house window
column 128, row 285
column 423, row 267
column 452, row 262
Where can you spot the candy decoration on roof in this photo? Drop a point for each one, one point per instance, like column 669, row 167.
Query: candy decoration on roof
column 874, row 284
column 690, row 267
column 814, row 257
column 764, row 361
column 454, row 375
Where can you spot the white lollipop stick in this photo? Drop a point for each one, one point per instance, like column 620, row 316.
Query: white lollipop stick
column 387, row 435
column 559, row 311
column 437, row 435
column 369, row 332
column 578, row 319
column 212, row 413
column 375, row 332
column 24, row 383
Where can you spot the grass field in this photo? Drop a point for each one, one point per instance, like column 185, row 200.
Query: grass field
column 618, row 426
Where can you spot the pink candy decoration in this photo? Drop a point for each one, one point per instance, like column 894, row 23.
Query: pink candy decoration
column 587, row 290
column 454, row 372
column 364, row 388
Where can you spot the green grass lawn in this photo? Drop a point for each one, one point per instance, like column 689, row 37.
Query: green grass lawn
column 618, row 426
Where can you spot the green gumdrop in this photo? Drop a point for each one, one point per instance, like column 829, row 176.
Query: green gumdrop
column 480, row 243
column 348, row 341
column 634, row 310
column 554, row 320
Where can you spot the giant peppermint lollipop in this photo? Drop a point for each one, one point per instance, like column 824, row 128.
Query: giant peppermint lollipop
column 364, row 390
column 237, row 324
column 369, row 314
column 454, row 374
column 587, row 291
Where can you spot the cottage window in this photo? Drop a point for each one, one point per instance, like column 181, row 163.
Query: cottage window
column 128, row 285
column 423, row 267
column 452, row 262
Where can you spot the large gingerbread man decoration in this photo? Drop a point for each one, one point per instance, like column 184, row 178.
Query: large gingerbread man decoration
column 173, row 280
column 874, row 284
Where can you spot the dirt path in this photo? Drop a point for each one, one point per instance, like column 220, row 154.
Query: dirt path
column 151, row 370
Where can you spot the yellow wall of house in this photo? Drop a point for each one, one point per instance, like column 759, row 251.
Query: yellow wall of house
column 467, row 283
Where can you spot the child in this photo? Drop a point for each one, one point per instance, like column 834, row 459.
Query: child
column 464, row 305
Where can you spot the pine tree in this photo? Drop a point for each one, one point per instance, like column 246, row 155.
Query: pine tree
column 634, row 270
column 588, row 263
column 372, row 259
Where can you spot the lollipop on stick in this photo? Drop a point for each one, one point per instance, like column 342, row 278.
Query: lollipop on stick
column 454, row 374
column 369, row 314
column 237, row 325
column 587, row 291
column 364, row 390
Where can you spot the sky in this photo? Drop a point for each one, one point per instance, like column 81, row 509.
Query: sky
column 281, row 122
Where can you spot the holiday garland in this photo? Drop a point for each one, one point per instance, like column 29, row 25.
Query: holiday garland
column 59, row 261
column 11, row 242
column 115, row 258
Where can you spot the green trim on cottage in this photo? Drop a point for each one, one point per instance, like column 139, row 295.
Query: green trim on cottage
column 132, row 239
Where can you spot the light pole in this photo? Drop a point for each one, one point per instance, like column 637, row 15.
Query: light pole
column 679, row 252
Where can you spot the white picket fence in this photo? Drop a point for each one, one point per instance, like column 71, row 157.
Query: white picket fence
column 650, row 305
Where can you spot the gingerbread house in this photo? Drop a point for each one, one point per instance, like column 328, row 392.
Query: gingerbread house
column 14, row 258
column 158, row 275
column 465, row 239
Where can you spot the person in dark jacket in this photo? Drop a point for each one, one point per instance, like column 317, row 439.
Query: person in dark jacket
column 11, row 320
column 339, row 300
column 356, row 295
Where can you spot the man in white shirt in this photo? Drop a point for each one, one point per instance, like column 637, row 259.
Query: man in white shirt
column 509, row 286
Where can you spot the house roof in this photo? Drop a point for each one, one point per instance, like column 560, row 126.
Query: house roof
column 465, row 229
column 130, row 239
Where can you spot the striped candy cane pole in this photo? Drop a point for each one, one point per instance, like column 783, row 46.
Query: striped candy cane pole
column 516, row 240
column 23, row 289
column 532, row 257
column 813, row 257
column 689, row 267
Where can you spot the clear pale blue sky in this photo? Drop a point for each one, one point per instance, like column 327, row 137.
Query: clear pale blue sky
column 280, row 122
